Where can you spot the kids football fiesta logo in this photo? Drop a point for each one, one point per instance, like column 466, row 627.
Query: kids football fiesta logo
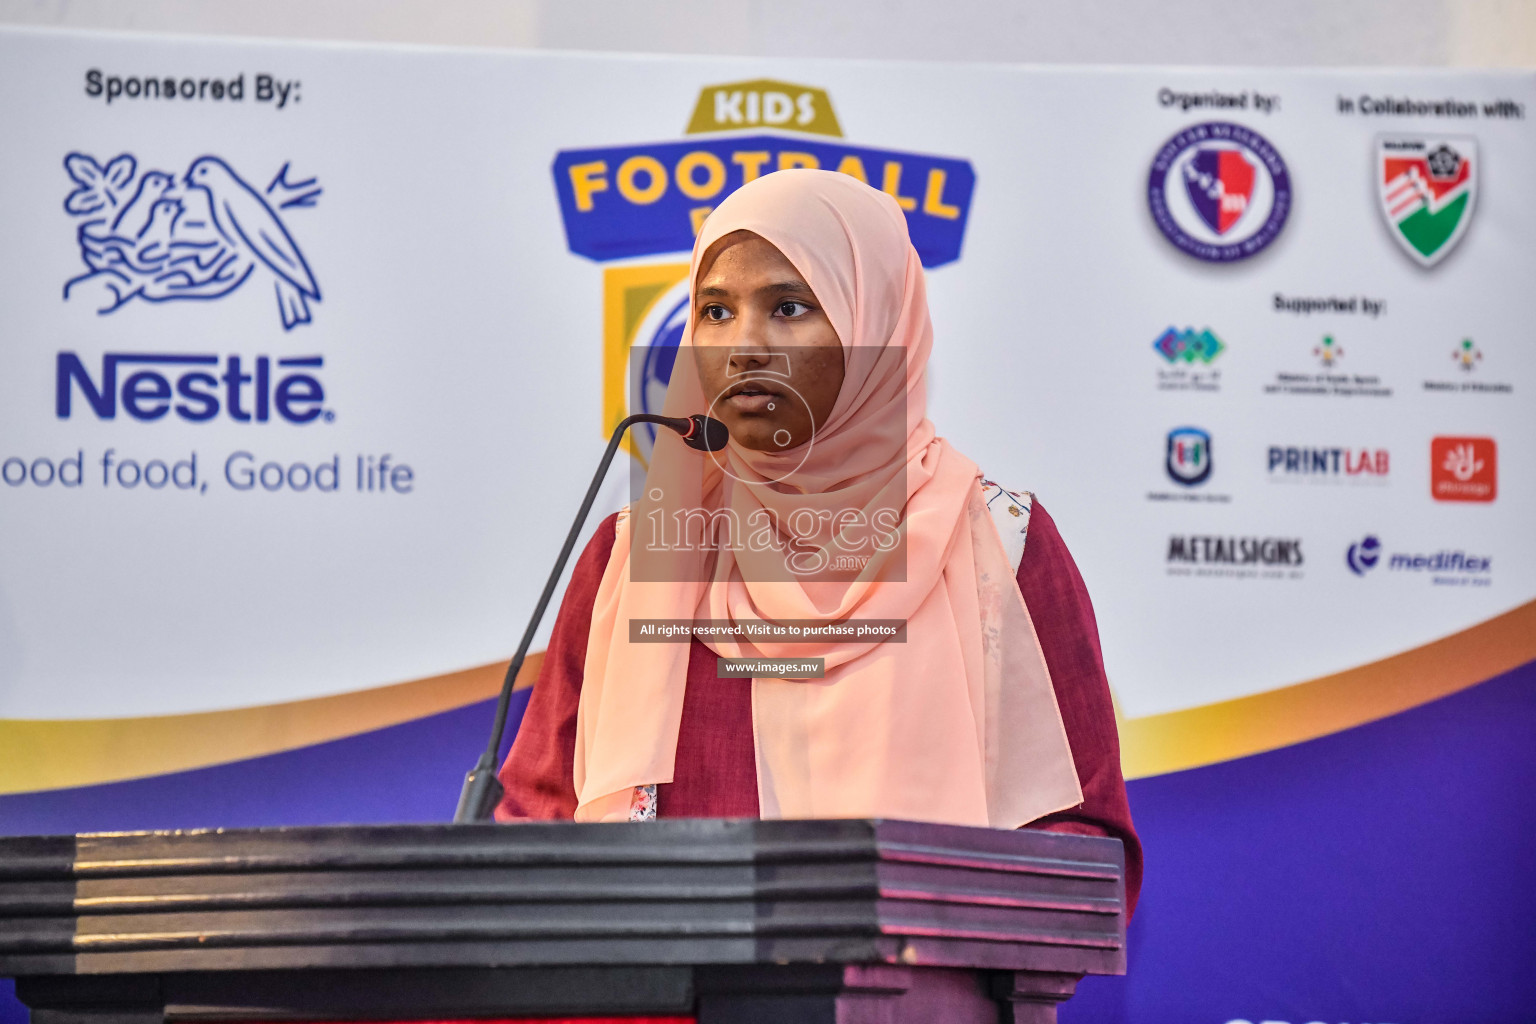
column 1219, row 191
column 649, row 200
column 1427, row 187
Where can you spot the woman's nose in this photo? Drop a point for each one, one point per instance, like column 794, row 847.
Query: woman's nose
column 749, row 348
column 759, row 361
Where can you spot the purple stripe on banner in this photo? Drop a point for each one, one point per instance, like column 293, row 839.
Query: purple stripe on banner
column 1378, row 874
column 406, row 773
column 409, row 772
column 1383, row 873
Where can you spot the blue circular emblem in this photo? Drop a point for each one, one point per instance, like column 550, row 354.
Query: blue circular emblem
column 1362, row 557
column 1219, row 191
column 660, row 354
column 660, row 340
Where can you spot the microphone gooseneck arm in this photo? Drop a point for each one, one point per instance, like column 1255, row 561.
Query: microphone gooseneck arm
column 482, row 791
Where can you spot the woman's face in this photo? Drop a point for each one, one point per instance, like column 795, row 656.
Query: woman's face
column 767, row 355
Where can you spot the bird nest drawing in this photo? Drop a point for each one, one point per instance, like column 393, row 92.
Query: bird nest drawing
column 157, row 237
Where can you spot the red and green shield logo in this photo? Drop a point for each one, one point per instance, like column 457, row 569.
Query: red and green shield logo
column 1427, row 186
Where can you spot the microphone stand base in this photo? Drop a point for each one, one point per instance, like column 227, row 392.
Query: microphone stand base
column 481, row 793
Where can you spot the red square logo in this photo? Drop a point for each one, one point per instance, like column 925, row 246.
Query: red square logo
column 1463, row 469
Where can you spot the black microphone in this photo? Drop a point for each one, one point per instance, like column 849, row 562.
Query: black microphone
column 482, row 790
column 701, row 432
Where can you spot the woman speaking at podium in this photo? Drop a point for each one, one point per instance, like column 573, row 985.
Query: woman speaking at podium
column 834, row 505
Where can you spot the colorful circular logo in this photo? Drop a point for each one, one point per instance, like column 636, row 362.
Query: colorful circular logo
column 658, row 336
column 1219, row 191
column 1362, row 557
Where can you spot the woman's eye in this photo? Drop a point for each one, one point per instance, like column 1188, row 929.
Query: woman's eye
column 792, row 308
column 714, row 311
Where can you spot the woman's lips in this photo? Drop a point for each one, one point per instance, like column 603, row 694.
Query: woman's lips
column 753, row 402
column 753, row 397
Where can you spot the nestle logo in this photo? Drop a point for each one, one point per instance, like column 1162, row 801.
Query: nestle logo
column 154, row 384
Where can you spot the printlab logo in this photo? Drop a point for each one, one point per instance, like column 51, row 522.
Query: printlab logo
column 1427, row 187
column 1219, row 191
column 1329, row 465
column 1464, row 469
column 1189, row 456
column 161, row 238
column 1363, row 555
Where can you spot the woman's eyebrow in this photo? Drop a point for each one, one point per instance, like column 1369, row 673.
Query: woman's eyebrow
column 777, row 288
column 784, row 286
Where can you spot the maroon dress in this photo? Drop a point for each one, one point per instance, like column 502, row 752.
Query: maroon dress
column 716, row 771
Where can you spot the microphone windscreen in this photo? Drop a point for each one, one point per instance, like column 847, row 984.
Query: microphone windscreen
column 708, row 435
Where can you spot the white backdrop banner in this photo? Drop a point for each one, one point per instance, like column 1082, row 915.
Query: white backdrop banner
column 306, row 354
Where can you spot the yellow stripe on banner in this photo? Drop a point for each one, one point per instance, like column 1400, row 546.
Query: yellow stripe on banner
column 630, row 294
column 42, row 755
column 49, row 754
column 1177, row 740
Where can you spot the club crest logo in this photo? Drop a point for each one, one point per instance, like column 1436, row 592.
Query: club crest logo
column 1427, row 186
column 1219, row 191
column 1189, row 456
column 157, row 237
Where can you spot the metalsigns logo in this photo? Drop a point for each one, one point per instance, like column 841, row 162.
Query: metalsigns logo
column 1189, row 456
column 621, row 202
column 1219, row 191
column 1464, row 469
column 1235, row 557
column 1427, row 186
column 160, row 238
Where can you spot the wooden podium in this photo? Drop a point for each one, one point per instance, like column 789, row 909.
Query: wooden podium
column 719, row 921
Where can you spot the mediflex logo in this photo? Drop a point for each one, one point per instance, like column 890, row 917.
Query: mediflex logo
column 151, row 385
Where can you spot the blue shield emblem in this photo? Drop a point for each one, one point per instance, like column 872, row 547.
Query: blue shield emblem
column 1189, row 456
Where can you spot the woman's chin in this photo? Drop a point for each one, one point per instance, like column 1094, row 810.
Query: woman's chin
column 760, row 435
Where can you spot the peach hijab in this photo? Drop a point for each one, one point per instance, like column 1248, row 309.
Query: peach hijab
column 959, row 724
